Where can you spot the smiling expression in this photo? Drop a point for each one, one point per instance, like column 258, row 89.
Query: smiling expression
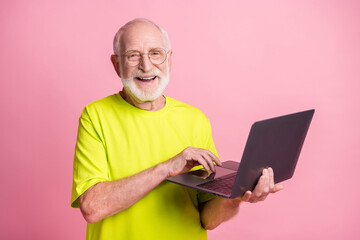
column 147, row 81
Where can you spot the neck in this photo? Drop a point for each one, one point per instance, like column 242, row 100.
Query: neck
column 154, row 105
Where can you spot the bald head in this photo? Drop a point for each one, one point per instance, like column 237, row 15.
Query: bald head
column 138, row 26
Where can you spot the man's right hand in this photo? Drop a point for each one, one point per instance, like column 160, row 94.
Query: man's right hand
column 189, row 158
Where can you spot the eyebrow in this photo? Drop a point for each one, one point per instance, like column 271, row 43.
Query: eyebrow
column 134, row 50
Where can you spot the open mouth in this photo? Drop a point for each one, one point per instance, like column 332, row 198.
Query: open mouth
column 146, row 79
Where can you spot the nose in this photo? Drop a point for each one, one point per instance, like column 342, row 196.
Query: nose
column 145, row 63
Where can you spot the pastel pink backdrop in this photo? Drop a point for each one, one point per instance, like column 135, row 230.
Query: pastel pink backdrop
column 238, row 61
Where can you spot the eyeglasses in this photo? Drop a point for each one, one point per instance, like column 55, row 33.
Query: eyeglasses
column 156, row 56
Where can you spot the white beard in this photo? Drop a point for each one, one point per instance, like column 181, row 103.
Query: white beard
column 143, row 96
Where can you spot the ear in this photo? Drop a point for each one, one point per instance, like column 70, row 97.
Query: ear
column 170, row 59
column 116, row 64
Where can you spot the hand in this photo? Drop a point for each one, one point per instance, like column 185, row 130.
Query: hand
column 264, row 186
column 191, row 157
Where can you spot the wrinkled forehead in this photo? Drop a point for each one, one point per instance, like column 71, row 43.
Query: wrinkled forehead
column 142, row 36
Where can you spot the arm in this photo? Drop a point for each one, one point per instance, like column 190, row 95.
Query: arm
column 107, row 198
column 218, row 210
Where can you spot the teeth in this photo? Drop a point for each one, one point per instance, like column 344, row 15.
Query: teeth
column 149, row 78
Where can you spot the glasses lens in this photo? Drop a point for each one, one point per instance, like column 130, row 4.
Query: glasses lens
column 132, row 58
column 157, row 56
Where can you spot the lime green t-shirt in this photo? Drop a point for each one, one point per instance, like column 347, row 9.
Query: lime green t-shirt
column 116, row 140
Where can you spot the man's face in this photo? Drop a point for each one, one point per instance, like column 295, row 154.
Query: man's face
column 145, row 82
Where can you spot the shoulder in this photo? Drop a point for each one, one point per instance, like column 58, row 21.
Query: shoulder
column 103, row 102
column 100, row 106
column 186, row 110
column 181, row 106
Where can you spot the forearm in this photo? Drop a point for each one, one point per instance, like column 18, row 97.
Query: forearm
column 108, row 198
column 218, row 210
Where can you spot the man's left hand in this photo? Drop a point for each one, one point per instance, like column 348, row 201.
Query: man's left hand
column 264, row 186
column 218, row 210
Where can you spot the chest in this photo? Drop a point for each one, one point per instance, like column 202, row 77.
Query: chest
column 136, row 144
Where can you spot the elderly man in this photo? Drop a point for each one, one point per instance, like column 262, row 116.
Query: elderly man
column 130, row 142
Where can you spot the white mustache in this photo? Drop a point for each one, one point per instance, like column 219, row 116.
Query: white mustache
column 154, row 72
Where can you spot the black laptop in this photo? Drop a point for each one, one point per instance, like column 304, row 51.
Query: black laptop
column 274, row 143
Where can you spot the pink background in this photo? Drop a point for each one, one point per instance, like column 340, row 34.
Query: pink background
column 238, row 61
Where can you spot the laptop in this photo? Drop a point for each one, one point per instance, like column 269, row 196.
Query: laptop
column 274, row 143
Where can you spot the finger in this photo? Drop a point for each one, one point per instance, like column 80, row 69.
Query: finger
column 271, row 177
column 277, row 188
column 262, row 198
column 210, row 156
column 203, row 163
column 259, row 186
column 259, row 199
column 208, row 160
column 246, row 197
column 262, row 188
column 215, row 158
column 253, row 200
column 265, row 190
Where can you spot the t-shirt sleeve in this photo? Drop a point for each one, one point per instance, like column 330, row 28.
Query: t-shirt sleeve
column 90, row 164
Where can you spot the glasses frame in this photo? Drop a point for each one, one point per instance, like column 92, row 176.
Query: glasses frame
column 141, row 54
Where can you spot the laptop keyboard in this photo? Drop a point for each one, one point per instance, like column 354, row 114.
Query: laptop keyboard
column 222, row 184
